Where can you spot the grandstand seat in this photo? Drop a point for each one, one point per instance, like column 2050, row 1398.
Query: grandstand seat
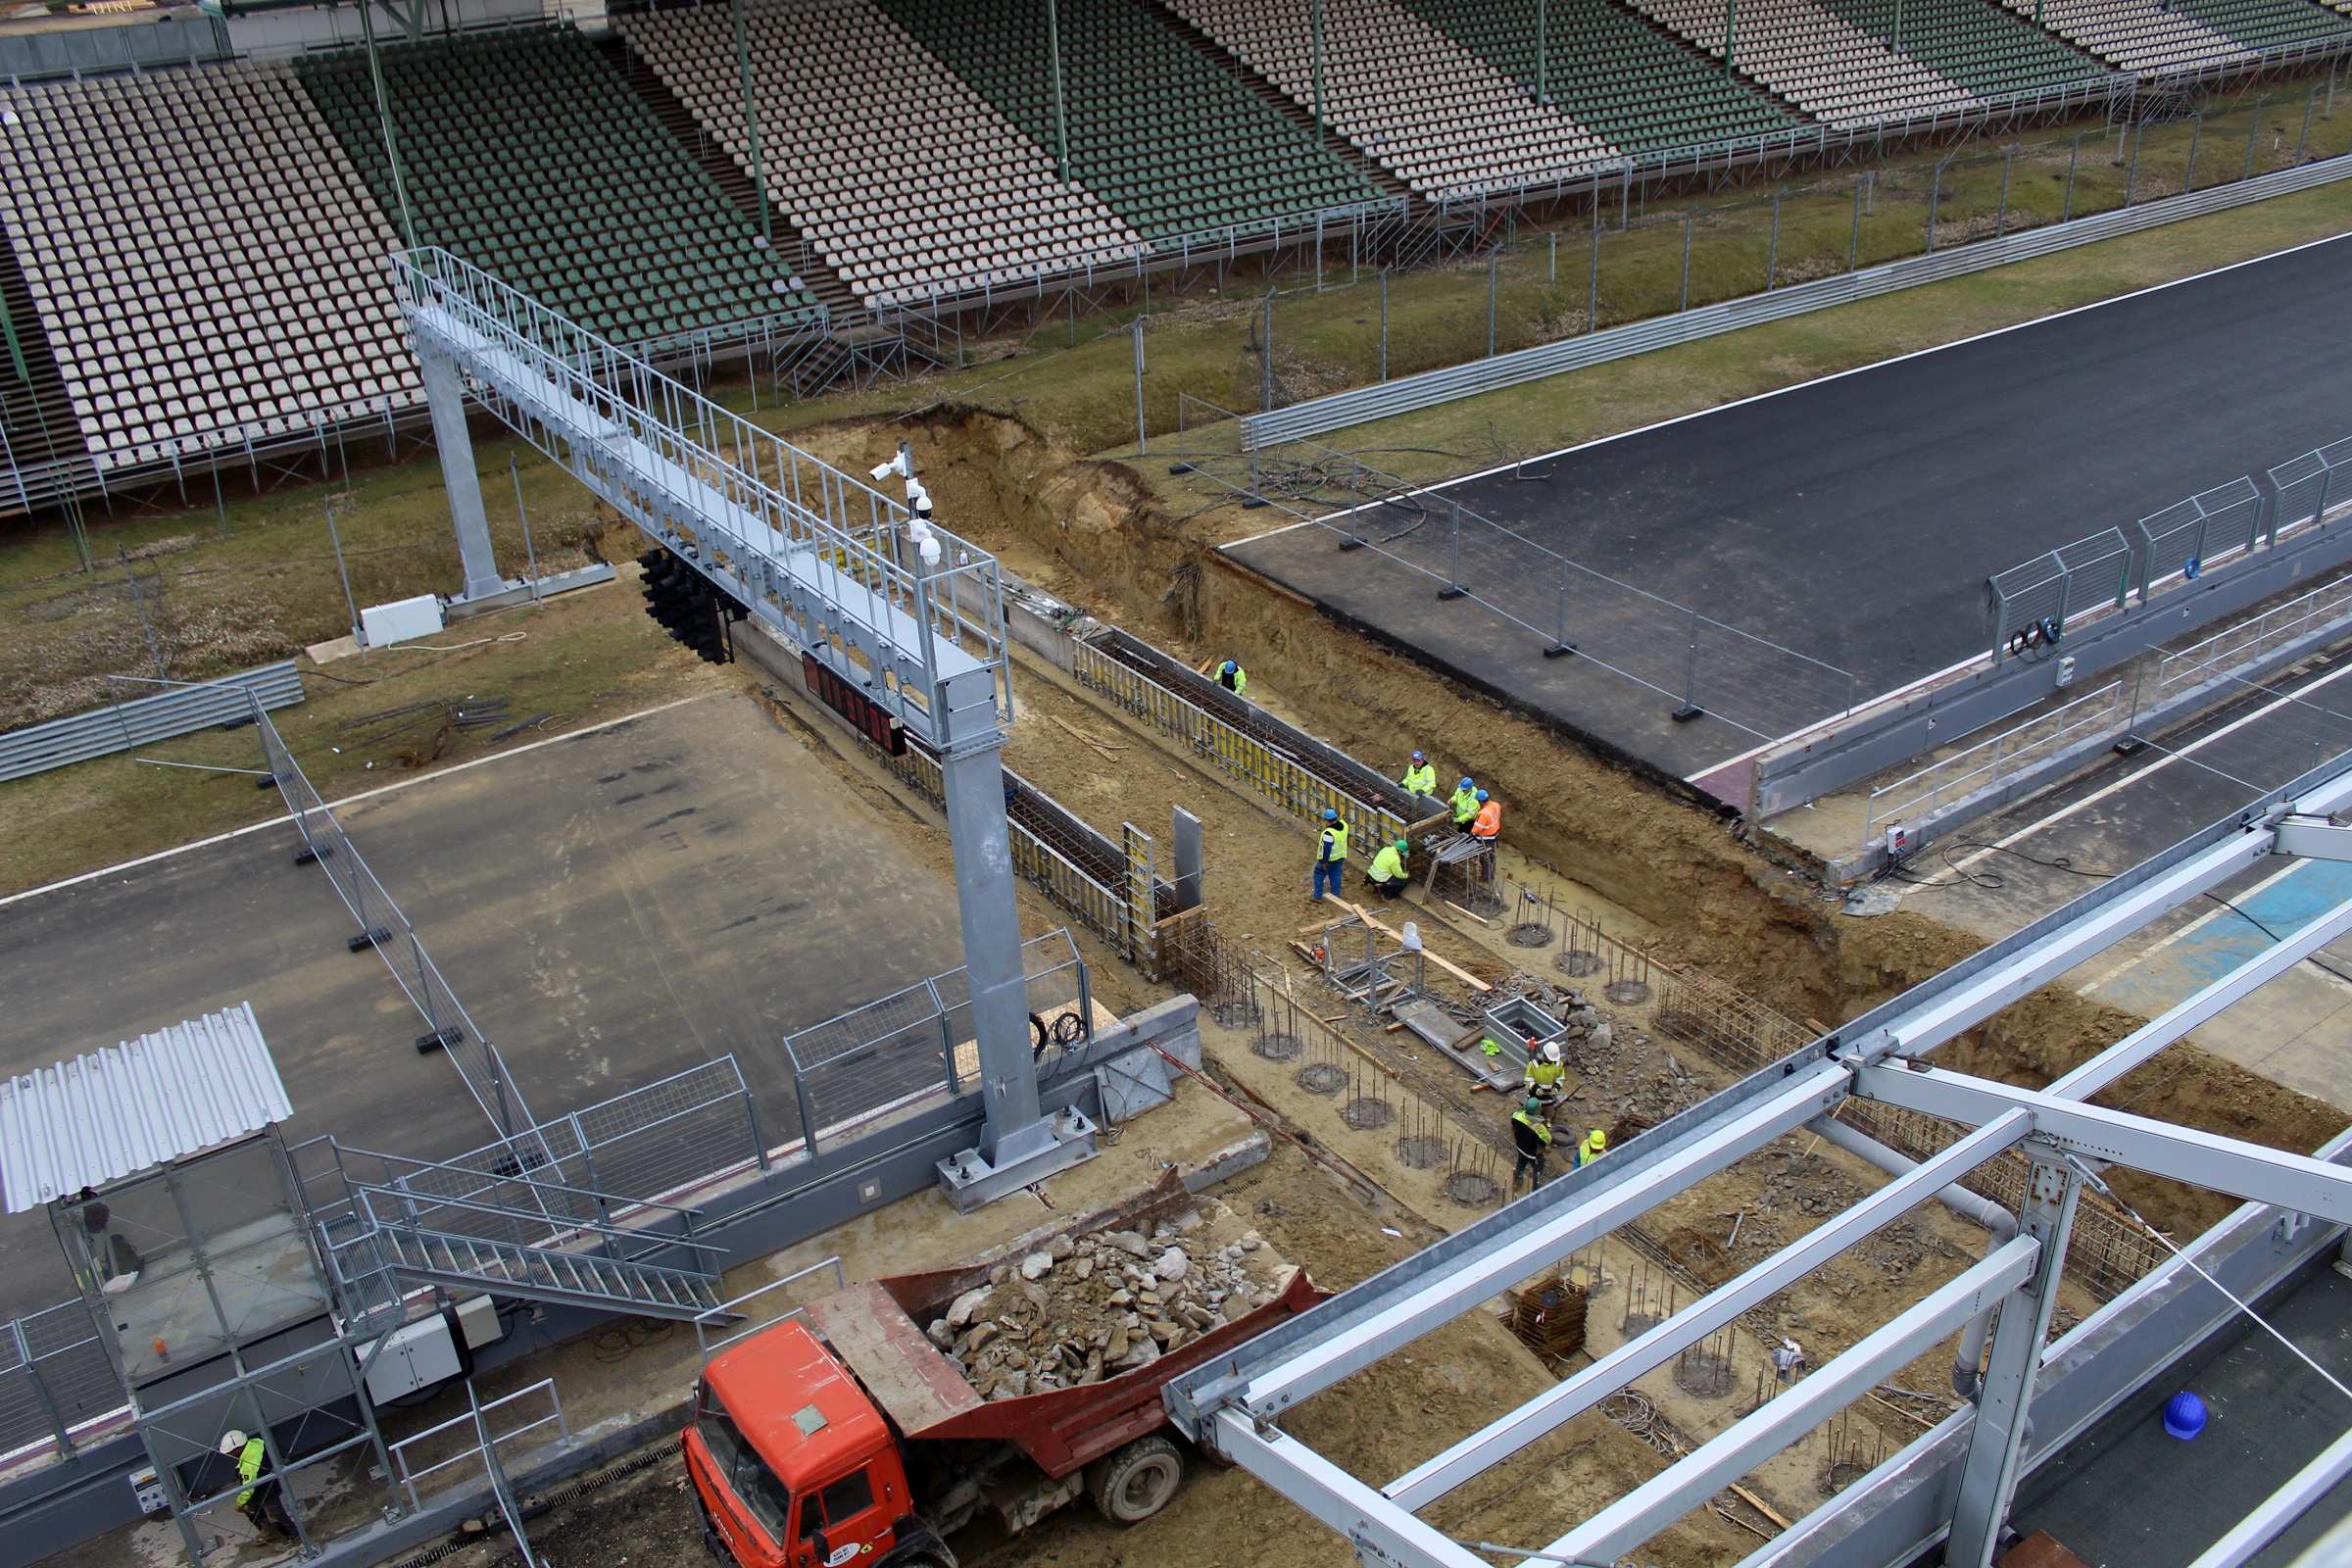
column 523, row 152
column 1816, row 59
column 2151, row 36
column 1438, row 117
column 1147, row 113
column 876, row 150
column 1987, row 49
column 1630, row 81
column 167, row 225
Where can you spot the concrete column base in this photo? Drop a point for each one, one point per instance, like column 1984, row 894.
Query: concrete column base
column 1062, row 1139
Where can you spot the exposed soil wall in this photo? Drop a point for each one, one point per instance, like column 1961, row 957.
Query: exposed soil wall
column 1099, row 535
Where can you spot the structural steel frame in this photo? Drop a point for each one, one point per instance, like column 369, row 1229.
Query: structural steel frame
column 1235, row 1404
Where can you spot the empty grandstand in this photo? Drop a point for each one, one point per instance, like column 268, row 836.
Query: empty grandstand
column 1991, row 52
column 1818, row 60
column 203, row 262
column 1437, row 115
column 1605, row 66
column 908, row 184
column 2145, row 36
column 523, row 152
column 1144, row 112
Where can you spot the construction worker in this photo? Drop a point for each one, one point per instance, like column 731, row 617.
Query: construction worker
column 1388, row 876
column 1596, row 1144
column 258, row 1503
column 1331, row 853
column 1545, row 1075
column 1789, row 1360
column 1531, row 1135
column 1465, row 806
column 1233, row 677
column 1419, row 777
column 1487, row 826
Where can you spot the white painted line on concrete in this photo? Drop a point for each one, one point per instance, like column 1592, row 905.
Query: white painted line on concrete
column 2166, row 761
column 348, row 800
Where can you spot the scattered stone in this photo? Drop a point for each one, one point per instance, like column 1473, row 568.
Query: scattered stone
column 999, row 1274
column 960, row 1312
column 1251, row 1241
column 1237, row 1306
column 1059, row 1247
column 1083, row 1268
column 1172, row 1264
column 939, row 1334
column 1037, row 1266
column 1131, row 1242
column 1187, row 1222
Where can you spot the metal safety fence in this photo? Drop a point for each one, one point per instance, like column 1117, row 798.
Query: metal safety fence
column 1695, row 664
column 58, row 1386
column 2178, row 544
column 1926, row 795
column 1295, row 777
column 872, row 1065
column 2035, row 602
column 2315, row 487
column 183, row 708
column 382, row 926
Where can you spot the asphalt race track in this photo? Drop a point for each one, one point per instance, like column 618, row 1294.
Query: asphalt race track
column 1853, row 520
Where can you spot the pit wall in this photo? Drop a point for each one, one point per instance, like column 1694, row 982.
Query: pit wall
column 1097, row 533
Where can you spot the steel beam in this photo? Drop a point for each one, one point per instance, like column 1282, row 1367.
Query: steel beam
column 2282, row 1509
column 445, row 397
column 1565, row 1400
column 1392, row 1310
column 1381, row 1531
column 1691, row 1480
column 1997, row 1442
column 2227, row 991
column 2105, row 921
column 2249, row 1171
column 2314, row 838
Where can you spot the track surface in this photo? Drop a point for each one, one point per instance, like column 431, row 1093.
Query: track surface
column 1855, row 518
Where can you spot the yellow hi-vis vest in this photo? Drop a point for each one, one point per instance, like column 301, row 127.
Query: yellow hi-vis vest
column 1387, row 865
column 1421, row 781
column 249, row 1460
column 1334, row 847
column 1465, row 807
column 1542, row 1075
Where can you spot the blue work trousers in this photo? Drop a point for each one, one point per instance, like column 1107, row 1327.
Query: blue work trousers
column 1327, row 875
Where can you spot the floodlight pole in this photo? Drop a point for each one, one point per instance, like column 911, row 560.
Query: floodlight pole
column 1543, row 44
column 751, row 125
column 383, row 115
column 1061, row 116
column 1318, row 30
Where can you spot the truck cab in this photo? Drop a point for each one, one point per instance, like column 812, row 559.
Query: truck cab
column 793, row 1467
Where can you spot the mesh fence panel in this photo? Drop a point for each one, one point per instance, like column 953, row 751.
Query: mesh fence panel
column 2178, row 543
column 2313, row 486
column 2031, row 602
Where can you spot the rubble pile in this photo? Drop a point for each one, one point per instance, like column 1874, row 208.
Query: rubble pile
column 1075, row 1312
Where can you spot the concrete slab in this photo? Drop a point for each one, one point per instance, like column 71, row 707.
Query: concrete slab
column 611, row 909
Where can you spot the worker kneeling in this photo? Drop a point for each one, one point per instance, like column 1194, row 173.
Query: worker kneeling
column 1331, row 853
column 1596, row 1144
column 1546, row 1076
column 1531, row 1135
column 1388, row 875
column 1233, row 677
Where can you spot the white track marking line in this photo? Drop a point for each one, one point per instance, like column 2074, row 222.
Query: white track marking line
column 2201, row 922
column 348, row 800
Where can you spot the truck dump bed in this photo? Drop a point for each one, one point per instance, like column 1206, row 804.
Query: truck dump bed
column 877, row 1329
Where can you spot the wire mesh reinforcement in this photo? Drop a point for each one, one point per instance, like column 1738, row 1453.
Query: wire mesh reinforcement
column 381, row 925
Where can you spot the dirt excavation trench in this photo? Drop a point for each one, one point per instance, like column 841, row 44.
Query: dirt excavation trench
column 1382, row 1143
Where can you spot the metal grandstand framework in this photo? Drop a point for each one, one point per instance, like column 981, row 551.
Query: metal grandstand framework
column 1236, row 1406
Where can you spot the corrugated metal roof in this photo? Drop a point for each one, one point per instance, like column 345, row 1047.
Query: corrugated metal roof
column 159, row 1097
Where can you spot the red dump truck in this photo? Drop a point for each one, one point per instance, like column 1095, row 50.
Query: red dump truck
column 849, row 1435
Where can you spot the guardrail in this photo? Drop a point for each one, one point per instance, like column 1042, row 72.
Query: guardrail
column 1408, row 394
column 126, row 727
column 705, row 1322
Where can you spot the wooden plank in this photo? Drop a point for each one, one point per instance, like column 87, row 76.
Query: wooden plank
column 1759, row 1505
column 1373, row 920
column 903, row 1370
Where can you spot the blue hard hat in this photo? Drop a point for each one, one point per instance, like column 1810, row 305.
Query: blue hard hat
column 1231, row 667
column 2183, row 1415
column 1466, row 783
column 1330, row 815
column 1418, row 757
column 1482, row 794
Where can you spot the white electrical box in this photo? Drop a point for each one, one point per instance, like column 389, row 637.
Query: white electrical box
column 416, row 1355
column 2066, row 671
column 477, row 1321
column 148, row 1488
column 1898, row 842
column 402, row 621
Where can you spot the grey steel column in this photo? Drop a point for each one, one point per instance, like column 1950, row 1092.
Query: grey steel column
column 1997, row 1444
column 446, row 394
column 973, row 783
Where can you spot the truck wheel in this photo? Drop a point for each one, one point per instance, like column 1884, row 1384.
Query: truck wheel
column 1137, row 1482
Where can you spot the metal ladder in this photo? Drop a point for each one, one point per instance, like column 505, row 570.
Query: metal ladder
column 546, row 1273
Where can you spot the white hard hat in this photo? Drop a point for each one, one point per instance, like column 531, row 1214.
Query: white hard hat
column 232, row 1442
column 1552, row 1051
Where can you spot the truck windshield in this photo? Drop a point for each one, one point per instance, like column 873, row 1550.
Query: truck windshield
column 740, row 1465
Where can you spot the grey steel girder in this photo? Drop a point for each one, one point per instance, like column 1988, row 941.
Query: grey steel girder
column 1689, row 1482
column 1381, row 1531
column 1565, row 1400
column 2205, row 1159
column 2314, row 838
column 1267, row 1376
column 2222, row 994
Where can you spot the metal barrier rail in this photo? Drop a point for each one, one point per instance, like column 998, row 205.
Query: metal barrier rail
column 125, row 726
column 56, row 1380
column 705, row 1322
column 383, row 927
column 1409, row 394
column 1265, row 766
column 1965, row 772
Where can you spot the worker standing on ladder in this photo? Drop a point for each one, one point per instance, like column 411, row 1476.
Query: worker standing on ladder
column 1388, row 876
column 1487, row 826
column 1331, row 853
column 1531, row 1135
column 1419, row 777
column 1233, row 677
column 1465, row 806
